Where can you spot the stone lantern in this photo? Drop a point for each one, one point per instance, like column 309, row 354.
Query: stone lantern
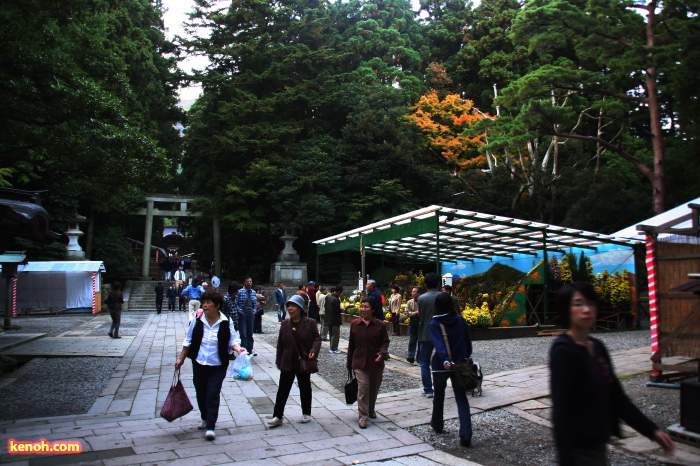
column 288, row 269
column 74, row 251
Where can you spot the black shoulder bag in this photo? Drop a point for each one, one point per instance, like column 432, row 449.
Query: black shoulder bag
column 465, row 372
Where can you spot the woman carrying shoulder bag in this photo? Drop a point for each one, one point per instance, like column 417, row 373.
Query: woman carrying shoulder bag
column 459, row 338
column 209, row 341
column 298, row 345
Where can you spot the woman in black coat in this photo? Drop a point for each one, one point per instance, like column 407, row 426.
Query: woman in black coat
column 587, row 398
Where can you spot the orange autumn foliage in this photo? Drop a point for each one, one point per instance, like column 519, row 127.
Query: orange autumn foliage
column 444, row 123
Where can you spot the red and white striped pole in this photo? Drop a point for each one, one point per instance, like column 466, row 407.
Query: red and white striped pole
column 14, row 297
column 94, row 292
column 653, row 309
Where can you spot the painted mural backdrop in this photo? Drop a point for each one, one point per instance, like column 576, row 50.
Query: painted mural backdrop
column 508, row 292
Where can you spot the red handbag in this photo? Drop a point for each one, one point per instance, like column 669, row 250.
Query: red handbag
column 177, row 404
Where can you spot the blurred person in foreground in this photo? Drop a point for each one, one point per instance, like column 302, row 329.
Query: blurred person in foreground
column 587, row 399
column 298, row 338
column 209, row 341
column 367, row 350
column 459, row 338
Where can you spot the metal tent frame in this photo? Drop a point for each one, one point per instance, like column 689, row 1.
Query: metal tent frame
column 444, row 234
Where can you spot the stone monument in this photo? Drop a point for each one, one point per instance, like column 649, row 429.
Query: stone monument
column 73, row 250
column 288, row 269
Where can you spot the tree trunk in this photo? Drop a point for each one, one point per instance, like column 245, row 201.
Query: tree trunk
column 658, row 185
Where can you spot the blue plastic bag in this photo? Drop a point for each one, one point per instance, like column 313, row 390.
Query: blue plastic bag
column 241, row 368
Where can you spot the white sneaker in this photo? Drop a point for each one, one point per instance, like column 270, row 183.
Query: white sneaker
column 305, row 418
column 202, row 425
column 274, row 422
column 210, row 435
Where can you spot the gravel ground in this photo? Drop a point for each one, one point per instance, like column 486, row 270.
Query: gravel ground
column 492, row 354
column 62, row 386
column 56, row 387
column 495, row 432
column 53, row 325
column 332, row 366
column 525, row 352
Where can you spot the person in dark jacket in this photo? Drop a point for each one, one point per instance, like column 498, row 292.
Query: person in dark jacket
column 373, row 293
column 181, row 301
column 333, row 318
column 459, row 338
column 587, row 399
column 114, row 303
column 297, row 333
column 426, row 310
column 172, row 297
column 367, row 350
column 159, row 296
column 209, row 341
column 229, row 307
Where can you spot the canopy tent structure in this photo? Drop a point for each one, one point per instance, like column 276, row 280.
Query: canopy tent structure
column 444, row 234
column 58, row 285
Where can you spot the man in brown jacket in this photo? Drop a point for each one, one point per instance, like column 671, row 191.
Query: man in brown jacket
column 367, row 350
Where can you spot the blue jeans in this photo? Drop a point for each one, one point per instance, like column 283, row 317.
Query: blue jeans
column 171, row 304
column 207, row 382
column 412, row 339
column 465, row 419
column 246, row 324
column 425, row 352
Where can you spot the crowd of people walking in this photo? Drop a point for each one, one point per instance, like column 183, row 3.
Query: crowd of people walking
column 588, row 401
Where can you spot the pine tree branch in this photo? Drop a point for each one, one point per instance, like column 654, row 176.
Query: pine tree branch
column 607, row 93
column 646, row 171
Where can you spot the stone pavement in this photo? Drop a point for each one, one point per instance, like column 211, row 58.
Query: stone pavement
column 123, row 425
column 11, row 340
column 74, row 346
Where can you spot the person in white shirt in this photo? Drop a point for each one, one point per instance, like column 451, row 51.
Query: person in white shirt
column 179, row 275
column 209, row 341
column 215, row 282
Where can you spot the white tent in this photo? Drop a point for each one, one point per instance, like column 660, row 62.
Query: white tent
column 60, row 285
column 672, row 215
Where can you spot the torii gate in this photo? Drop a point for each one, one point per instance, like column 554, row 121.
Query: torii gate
column 150, row 211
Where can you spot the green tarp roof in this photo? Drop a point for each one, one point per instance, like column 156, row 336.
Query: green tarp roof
column 445, row 234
